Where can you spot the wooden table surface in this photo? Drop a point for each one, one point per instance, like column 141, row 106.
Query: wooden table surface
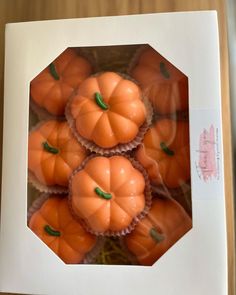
column 28, row 10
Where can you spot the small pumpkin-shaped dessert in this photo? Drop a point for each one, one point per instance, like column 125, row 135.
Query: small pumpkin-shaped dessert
column 107, row 111
column 108, row 194
column 57, row 228
column 162, row 83
column 165, row 153
column 164, row 225
column 52, row 88
column 53, row 153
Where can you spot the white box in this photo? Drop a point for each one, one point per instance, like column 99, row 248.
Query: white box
column 197, row 264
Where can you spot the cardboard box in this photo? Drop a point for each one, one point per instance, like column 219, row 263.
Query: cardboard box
column 197, row 263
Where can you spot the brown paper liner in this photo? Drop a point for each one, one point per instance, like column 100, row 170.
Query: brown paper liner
column 120, row 148
column 37, row 204
column 136, row 219
column 56, row 189
column 42, row 113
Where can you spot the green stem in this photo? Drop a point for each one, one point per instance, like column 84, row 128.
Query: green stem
column 49, row 148
column 53, row 71
column 165, row 149
column 100, row 102
column 164, row 70
column 100, row 193
column 51, row 231
column 156, row 236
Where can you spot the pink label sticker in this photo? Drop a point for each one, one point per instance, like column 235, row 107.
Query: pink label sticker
column 208, row 160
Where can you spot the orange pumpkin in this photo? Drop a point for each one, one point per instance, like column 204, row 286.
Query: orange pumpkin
column 108, row 110
column 107, row 194
column 163, row 226
column 53, row 153
column 57, row 228
column 165, row 153
column 52, row 88
column 163, row 84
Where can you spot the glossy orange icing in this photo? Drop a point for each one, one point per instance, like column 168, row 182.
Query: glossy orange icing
column 162, row 83
column 168, row 169
column 163, row 226
column 54, row 168
column 125, row 112
column 115, row 177
column 52, row 94
column 56, row 227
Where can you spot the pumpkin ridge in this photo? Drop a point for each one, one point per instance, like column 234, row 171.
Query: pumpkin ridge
column 65, row 99
column 91, row 134
column 122, row 196
column 99, row 208
column 101, row 186
column 147, row 68
column 81, row 251
column 81, row 101
column 112, row 127
column 110, row 96
column 44, row 98
column 63, row 126
column 41, row 102
column 57, row 180
column 90, row 112
column 114, row 89
column 161, row 156
column 133, row 241
column 123, row 101
column 42, row 161
column 70, row 246
column 124, row 208
column 43, row 169
column 41, row 211
column 54, row 129
column 94, row 129
column 122, row 115
column 63, row 155
column 103, row 205
column 64, row 206
column 53, row 241
column 127, row 213
column 69, row 62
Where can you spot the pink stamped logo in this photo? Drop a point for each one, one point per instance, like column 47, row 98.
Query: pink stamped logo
column 208, row 161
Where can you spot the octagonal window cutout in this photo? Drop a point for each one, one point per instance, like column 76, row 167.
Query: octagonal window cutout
column 108, row 155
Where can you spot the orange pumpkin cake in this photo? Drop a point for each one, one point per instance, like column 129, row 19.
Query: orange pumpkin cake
column 54, row 224
column 164, row 85
column 51, row 89
column 53, row 153
column 109, row 195
column 107, row 112
column 165, row 153
column 164, row 225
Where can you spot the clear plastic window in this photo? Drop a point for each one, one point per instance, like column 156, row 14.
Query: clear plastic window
column 108, row 155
